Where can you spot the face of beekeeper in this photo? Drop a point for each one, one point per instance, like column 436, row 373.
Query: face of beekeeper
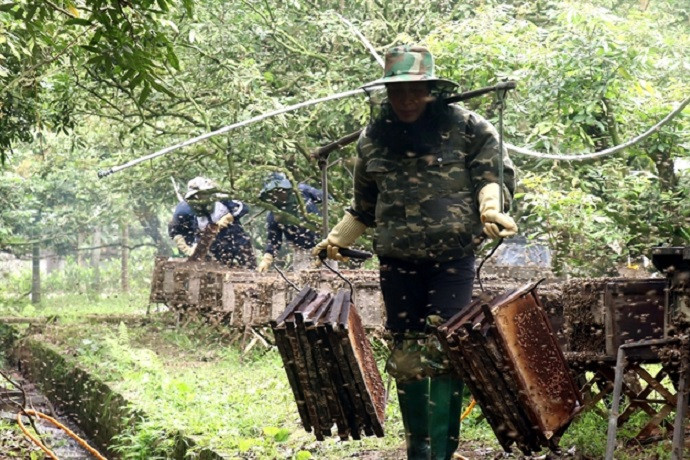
column 408, row 99
column 201, row 203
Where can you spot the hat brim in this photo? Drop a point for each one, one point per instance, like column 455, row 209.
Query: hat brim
column 210, row 193
column 442, row 83
column 283, row 184
column 189, row 195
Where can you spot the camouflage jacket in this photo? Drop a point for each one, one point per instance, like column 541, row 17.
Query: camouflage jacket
column 425, row 206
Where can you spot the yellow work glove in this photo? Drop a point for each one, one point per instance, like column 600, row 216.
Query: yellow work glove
column 496, row 223
column 341, row 236
column 225, row 221
column 265, row 263
column 183, row 246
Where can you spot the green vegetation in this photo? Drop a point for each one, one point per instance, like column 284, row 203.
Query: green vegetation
column 193, row 381
column 14, row 445
column 590, row 75
column 73, row 293
column 85, row 86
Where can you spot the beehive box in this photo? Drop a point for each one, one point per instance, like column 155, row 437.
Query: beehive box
column 234, row 297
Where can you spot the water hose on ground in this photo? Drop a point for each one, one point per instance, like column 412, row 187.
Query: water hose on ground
column 468, row 410
column 69, row 432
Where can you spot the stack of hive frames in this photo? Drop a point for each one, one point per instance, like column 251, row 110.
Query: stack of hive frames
column 330, row 365
column 508, row 356
column 365, row 287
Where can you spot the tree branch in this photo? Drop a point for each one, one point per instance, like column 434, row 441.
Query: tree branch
column 46, row 61
column 57, row 8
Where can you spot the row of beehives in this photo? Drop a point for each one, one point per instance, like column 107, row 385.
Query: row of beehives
column 244, row 297
column 588, row 315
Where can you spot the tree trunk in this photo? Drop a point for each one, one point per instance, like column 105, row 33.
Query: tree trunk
column 80, row 244
column 36, row 274
column 664, row 165
column 96, row 260
column 124, row 278
column 149, row 220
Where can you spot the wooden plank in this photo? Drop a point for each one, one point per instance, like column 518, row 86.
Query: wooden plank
column 367, row 375
column 303, row 376
column 322, row 355
column 345, row 396
column 318, row 378
column 290, row 366
column 350, row 385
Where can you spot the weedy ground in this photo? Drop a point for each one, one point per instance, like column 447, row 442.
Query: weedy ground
column 196, row 379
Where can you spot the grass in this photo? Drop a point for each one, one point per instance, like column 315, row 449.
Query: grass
column 195, row 381
column 191, row 380
column 74, row 307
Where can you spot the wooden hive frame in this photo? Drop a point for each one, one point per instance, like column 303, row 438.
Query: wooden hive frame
column 330, row 365
column 508, row 356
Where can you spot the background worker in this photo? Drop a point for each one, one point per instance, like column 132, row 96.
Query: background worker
column 426, row 177
column 286, row 222
column 204, row 203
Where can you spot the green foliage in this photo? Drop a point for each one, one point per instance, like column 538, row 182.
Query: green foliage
column 124, row 80
column 71, row 293
column 194, row 381
column 603, row 215
column 15, row 444
column 80, row 279
column 589, row 430
column 123, row 45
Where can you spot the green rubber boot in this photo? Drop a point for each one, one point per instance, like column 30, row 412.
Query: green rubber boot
column 445, row 404
column 414, row 408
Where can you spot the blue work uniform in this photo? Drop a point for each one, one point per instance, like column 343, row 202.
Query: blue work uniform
column 232, row 245
column 298, row 235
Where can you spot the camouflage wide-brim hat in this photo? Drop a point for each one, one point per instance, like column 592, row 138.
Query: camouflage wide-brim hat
column 410, row 63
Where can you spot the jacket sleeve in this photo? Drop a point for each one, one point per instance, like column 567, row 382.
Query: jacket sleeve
column 237, row 208
column 365, row 188
column 483, row 157
column 274, row 235
column 310, row 193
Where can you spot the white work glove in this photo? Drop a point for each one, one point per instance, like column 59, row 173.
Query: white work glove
column 225, row 221
column 341, row 236
column 496, row 223
column 183, row 246
column 265, row 264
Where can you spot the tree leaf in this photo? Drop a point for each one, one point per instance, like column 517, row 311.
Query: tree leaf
column 172, row 58
column 72, row 9
column 77, row 22
column 145, row 93
column 159, row 87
